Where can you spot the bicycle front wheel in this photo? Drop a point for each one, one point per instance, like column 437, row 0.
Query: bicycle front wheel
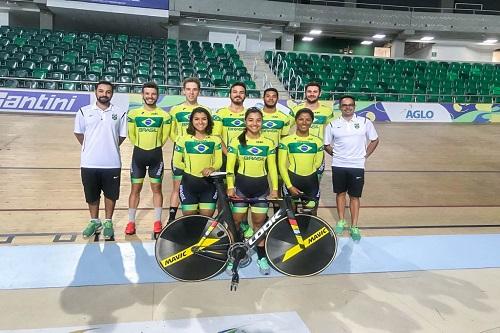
column 287, row 257
column 180, row 254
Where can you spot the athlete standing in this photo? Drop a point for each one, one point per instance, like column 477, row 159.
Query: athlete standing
column 180, row 121
column 256, row 157
column 148, row 130
column 197, row 154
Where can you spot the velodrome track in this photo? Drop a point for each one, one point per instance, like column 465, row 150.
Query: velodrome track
column 440, row 180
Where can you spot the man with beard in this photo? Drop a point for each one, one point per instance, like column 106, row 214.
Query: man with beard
column 180, row 120
column 148, row 130
column 101, row 128
column 322, row 113
column 229, row 122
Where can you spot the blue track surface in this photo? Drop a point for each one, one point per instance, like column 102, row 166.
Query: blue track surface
column 45, row 266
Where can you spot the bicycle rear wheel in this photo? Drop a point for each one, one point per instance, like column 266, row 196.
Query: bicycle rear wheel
column 179, row 255
column 287, row 257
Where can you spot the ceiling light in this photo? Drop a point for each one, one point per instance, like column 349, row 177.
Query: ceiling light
column 367, row 42
column 426, row 38
column 315, row 32
column 490, row 41
column 307, row 39
column 378, row 36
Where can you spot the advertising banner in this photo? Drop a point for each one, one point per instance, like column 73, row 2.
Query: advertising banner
column 42, row 101
column 64, row 102
column 155, row 4
column 416, row 112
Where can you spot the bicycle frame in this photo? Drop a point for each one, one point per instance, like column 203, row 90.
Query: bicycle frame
column 225, row 215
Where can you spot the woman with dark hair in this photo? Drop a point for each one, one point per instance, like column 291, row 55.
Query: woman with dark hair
column 300, row 156
column 198, row 154
column 253, row 153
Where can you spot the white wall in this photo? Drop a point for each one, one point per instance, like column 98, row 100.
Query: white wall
column 460, row 53
column 253, row 45
column 238, row 40
column 4, row 18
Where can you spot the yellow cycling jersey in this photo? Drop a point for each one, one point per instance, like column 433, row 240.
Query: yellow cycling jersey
column 180, row 118
column 301, row 155
column 193, row 155
column 148, row 129
column 275, row 125
column 228, row 124
column 252, row 160
column 322, row 116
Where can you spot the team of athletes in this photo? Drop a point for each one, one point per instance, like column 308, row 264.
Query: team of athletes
column 253, row 146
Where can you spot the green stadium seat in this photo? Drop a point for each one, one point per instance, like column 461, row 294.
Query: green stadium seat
column 253, row 94
column 92, row 76
column 122, row 89
column 70, row 86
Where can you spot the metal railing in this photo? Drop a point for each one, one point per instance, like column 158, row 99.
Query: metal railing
column 292, row 90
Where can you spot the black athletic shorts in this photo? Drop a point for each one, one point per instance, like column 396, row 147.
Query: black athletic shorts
column 195, row 190
column 96, row 180
column 350, row 180
column 309, row 185
column 152, row 160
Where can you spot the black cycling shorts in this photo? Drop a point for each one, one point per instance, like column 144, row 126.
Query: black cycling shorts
column 152, row 160
column 309, row 185
column 195, row 190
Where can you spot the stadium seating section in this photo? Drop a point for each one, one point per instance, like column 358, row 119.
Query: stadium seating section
column 370, row 78
column 49, row 59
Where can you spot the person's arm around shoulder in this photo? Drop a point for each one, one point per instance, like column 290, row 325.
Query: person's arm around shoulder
column 79, row 126
column 328, row 138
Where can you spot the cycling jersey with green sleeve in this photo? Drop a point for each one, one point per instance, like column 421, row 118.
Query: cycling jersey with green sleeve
column 193, row 155
column 322, row 116
column 228, row 124
column 252, row 160
column 148, row 129
column 301, row 155
column 180, row 118
column 275, row 125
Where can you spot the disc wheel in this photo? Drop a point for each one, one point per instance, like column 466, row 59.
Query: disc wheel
column 179, row 255
column 287, row 257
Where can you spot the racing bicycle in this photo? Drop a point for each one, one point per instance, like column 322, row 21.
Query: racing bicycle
column 197, row 247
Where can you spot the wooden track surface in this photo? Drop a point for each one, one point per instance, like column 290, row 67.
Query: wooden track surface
column 423, row 178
